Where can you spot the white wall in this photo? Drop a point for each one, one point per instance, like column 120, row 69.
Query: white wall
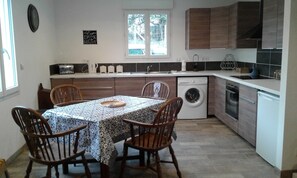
column 287, row 147
column 35, row 51
column 106, row 17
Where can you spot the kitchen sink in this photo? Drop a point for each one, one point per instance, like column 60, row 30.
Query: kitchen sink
column 152, row 72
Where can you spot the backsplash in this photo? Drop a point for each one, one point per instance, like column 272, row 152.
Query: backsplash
column 268, row 60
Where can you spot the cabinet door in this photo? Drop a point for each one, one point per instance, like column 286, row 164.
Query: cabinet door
column 211, row 96
column 197, row 28
column 273, row 20
column 269, row 24
column 243, row 16
column 280, row 23
column 220, row 100
column 56, row 82
column 171, row 81
column 129, row 86
column 247, row 113
column 219, row 18
column 94, row 88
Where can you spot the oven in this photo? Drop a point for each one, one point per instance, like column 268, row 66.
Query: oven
column 232, row 97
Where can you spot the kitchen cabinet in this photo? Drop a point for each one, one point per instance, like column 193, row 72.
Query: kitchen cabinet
column 171, row 81
column 60, row 81
column 94, row 88
column 131, row 86
column 197, row 28
column 243, row 16
column 247, row 119
column 211, row 96
column 221, row 27
column 219, row 18
column 220, row 100
column 273, row 19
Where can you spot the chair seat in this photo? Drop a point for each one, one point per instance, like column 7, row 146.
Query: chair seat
column 147, row 143
column 59, row 158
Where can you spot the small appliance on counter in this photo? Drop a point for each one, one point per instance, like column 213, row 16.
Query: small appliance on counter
column 66, row 69
column 102, row 69
column 110, row 69
column 119, row 69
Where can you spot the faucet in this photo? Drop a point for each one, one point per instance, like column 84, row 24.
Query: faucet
column 148, row 68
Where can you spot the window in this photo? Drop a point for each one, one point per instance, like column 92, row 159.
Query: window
column 8, row 70
column 147, row 34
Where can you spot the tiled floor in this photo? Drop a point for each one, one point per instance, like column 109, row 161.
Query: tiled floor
column 204, row 149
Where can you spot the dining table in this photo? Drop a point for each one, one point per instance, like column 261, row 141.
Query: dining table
column 105, row 127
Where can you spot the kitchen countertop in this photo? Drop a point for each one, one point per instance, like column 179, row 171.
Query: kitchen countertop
column 268, row 85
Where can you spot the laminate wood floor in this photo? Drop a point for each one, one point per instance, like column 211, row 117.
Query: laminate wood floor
column 204, row 149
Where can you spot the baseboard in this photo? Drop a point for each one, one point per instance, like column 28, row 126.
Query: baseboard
column 16, row 154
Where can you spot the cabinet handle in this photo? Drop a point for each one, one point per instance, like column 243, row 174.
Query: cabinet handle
column 247, row 100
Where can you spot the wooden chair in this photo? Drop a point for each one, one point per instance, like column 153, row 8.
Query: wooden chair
column 156, row 89
column 65, row 94
column 46, row 147
column 155, row 136
column 3, row 169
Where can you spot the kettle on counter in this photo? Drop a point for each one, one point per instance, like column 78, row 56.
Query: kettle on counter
column 254, row 73
column 92, row 67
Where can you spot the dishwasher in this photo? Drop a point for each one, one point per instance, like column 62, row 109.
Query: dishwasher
column 267, row 122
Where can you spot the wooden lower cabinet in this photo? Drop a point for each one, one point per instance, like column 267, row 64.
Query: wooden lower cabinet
column 131, row 86
column 171, row 81
column 211, row 96
column 94, row 88
column 220, row 97
column 60, row 81
column 247, row 118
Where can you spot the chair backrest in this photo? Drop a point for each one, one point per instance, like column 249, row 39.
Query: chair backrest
column 163, row 124
column 44, row 146
column 156, row 89
column 31, row 124
column 65, row 93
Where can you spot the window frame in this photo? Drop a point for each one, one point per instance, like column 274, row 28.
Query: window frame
column 4, row 91
column 147, row 35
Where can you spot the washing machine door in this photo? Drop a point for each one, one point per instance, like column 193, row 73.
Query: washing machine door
column 193, row 96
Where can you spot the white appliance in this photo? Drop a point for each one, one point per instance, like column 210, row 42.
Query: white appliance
column 267, row 121
column 193, row 91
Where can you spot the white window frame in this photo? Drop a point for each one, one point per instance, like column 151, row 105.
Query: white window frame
column 147, row 37
column 8, row 54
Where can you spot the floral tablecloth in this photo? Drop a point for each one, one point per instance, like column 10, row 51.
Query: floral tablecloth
column 105, row 125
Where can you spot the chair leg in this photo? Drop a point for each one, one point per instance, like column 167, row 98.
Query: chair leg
column 48, row 172
column 159, row 171
column 148, row 161
column 6, row 174
column 29, row 168
column 123, row 165
column 65, row 168
column 85, row 163
column 174, row 161
column 57, row 171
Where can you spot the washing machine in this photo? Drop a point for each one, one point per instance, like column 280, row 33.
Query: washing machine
column 193, row 91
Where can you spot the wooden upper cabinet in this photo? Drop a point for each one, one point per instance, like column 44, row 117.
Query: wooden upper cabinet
column 198, row 28
column 243, row 16
column 273, row 15
column 219, row 19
